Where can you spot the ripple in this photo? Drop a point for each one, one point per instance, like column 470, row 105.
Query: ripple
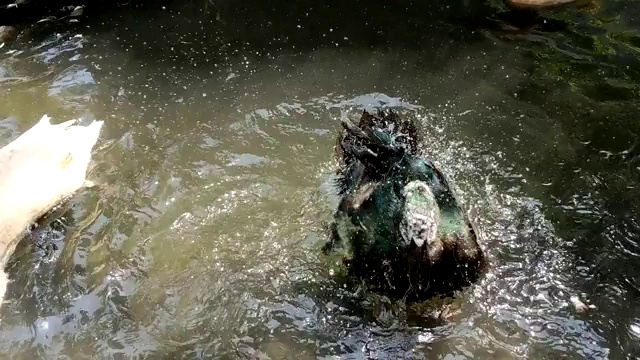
column 75, row 85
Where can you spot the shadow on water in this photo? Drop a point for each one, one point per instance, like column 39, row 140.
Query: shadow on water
column 216, row 156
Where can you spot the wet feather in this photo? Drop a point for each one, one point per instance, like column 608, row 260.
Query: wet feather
column 399, row 224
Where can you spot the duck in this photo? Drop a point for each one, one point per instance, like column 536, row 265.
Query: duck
column 41, row 169
column 545, row 5
column 399, row 225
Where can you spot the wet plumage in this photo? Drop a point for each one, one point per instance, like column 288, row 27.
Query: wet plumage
column 399, row 223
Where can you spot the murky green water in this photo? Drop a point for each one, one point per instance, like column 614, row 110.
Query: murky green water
column 216, row 157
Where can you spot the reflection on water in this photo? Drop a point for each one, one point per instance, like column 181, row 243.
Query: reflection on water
column 202, row 237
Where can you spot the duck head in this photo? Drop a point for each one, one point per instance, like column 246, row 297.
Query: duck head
column 421, row 219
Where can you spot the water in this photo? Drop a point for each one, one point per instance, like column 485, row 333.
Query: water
column 201, row 240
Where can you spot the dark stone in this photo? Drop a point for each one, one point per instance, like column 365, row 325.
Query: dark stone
column 7, row 33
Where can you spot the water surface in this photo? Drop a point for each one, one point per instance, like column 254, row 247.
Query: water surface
column 215, row 163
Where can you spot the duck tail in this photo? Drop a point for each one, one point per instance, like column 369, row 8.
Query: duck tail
column 376, row 138
column 82, row 136
column 368, row 150
column 403, row 130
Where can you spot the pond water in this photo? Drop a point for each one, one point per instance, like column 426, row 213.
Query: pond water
column 215, row 162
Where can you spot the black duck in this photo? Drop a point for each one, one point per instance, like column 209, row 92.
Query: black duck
column 399, row 225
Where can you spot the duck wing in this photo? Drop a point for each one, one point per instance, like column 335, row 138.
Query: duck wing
column 452, row 214
column 456, row 230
